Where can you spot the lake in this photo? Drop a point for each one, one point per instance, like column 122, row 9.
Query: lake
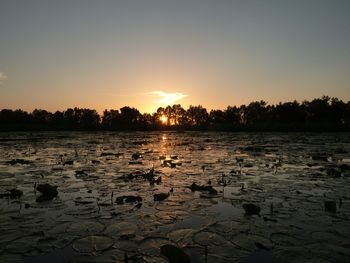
column 218, row 197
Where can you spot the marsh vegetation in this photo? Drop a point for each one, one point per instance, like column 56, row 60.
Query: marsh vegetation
column 177, row 197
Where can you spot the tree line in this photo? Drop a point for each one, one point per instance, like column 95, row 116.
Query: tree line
column 320, row 114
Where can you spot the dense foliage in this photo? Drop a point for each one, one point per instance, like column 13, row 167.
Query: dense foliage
column 322, row 114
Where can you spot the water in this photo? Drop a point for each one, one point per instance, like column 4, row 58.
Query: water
column 289, row 176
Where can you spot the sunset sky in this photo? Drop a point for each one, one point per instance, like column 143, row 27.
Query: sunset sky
column 149, row 53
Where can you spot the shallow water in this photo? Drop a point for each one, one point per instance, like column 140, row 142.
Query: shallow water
column 289, row 176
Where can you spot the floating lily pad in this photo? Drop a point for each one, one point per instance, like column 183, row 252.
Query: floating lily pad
column 284, row 239
column 121, row 229
column 251, row 242
column 92, row 244
column 205, row 238
column 85, row 227
column 22, row 245
column 322, row 236
column 181, row 237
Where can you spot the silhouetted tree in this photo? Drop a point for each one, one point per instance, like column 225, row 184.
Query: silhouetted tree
column 233, row 116
column 168, row 111
column 289, row 112
column 318, row 109
column 337, row 111
column 129, row 117
column 217, row 117
column 14, row 120
column 69, row 119
column 57, row 120
column 255, row 113
column 320, row 114
column 179, row 114
column 89, row 119
column 147, row 121
column 110, row 119
column 197, row 115
column 41, row 119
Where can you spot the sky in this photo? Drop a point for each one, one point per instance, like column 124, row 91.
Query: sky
column 107, row 54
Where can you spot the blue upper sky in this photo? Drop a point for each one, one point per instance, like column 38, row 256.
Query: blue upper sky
column 107, row 54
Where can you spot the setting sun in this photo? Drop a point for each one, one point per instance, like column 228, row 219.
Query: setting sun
column 163, row 119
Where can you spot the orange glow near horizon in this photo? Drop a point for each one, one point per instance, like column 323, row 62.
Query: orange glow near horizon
column 167, row 98
column 164, row 119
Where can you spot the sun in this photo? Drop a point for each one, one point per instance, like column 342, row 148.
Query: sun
column 163, row 119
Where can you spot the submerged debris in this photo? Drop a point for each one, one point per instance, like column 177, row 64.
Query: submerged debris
column 80, row 172
column 344, row 167
column 251, row 209
column 337, row 170
column 48, row 192
column 172, row 162
column 69, row 162
column 136, row 156
column 19, row 161
column 128, row 199
column 209, row 188
column 261, row 246
column 138, row 206
column 160, row 196
column 149, row 176
column 269, row 219
column 174, row 254
column 111, row 154
column 13, row 193
column 47, row 189
column 319, row 157
column 222, row 180
column 333, row 170
column 135, row 162
column 330, row 206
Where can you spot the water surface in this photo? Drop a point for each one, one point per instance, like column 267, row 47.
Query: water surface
column 289, row 176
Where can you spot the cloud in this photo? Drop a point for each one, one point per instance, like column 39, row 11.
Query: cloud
column 2, row 76
column 166, row 98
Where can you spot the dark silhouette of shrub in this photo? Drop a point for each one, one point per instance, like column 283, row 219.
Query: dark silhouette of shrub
column 320, row 114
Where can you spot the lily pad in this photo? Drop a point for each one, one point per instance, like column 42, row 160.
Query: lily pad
column 85, row 227
column 205, row 238
column 22, row 245
column 181, row 237
column 121, row 229
column 92, row 244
